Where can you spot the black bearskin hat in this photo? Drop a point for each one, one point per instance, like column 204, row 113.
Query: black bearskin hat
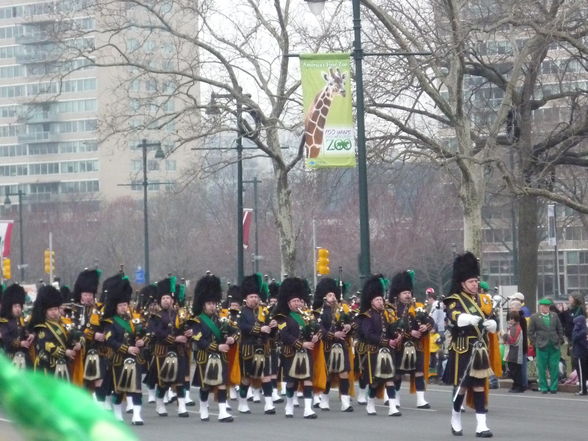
column 66, row 294
column 147, row 295
column 291, row 288
column 374, row 287
column 47, row 297
column 402, row 281
column 465, row 266
column 208, row 289
column 117, row 289
column 166, row 287
column 14, row 294
column 274, row 289
column 323, row 287
column 87, row 281
column 234, row 295
column 251, row 285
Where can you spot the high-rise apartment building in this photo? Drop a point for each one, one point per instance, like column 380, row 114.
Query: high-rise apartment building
column 54, row 108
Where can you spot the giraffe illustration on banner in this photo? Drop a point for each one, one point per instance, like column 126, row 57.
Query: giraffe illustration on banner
column 314, row 123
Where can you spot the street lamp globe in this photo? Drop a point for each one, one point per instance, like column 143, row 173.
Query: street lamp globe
column 316, row 6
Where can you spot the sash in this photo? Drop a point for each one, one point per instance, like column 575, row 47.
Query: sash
column 296, row 316
column 211, row 325
column 58, row 332
column 123, row 324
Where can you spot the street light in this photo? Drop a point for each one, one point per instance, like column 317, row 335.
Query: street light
column 364, row 219
column 7, row 203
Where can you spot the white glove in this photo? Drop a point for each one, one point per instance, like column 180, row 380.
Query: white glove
column 490, row 325
column 468, row 319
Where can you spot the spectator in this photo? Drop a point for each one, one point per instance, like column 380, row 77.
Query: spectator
column 519, row 296
column 516, row 306
column 580, row 351
column 546, row 335
column 436, row 310
column 513, row 353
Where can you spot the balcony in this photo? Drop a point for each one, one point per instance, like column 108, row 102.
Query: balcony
column 38, row 37
column 37, row 137
column 37, row 117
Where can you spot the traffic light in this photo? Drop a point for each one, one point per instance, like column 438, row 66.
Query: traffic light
column 322, row 262
column 6, row 273
column 49, row 261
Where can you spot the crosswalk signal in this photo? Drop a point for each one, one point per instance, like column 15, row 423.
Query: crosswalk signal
column 6, row 270
column 322, row 262
column 49, row 261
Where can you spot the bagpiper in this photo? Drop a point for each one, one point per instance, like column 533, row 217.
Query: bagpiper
column 55, row 348
column 256, row 327
column 375, row 346
column 126, row 338
column 336, row 325
column 16, row 340
column 413, row 325
column 213, row 340
column 298, row 334
column 171, row 351
column 472, row 352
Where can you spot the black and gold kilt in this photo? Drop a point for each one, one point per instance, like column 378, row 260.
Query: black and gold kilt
column 255, row 360
column 290, row 363
column 329, row 353
column 220, row 371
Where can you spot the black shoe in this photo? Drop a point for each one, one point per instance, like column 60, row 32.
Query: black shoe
column 553, row 392
column 184, row 415
column 174, row 398
column 456, row 432
column 484, row 434
column 244, row 412
column 204, row 419
column 349, row 409
column 137, row 423
column 362, row 403
column 164, row 414
column 228, row 419
column 191, row 403
column 544, row 392
column 129, row 411
column 312, row 416
column 289, row 416
column 316, row 405
column 424, row 406
column 279, row 400
column 270, row 412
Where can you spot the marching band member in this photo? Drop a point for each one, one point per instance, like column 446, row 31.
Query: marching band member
column 274, row 359
column 375, row 346
column 16, row 340
column 298, row 334
column 413, row 325
column 335, row 321
column 148, row 305
column 171, row 352
column 213, row 340
column 125, row 337
column 256, row 327
column 55, row 349
column 473, row 351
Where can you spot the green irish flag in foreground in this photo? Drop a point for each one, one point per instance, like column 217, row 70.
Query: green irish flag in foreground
column 47, row 409
column 328, row 122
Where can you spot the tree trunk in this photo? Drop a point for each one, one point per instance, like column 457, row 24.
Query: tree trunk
column 528, row 246
column 284, row 221
column 472, row 197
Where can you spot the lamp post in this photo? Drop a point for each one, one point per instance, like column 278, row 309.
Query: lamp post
column 7, row 203
column 255, row 181
column 364, row 219
column 158, row 155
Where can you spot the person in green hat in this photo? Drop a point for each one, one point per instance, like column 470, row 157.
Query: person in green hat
column 546, row 335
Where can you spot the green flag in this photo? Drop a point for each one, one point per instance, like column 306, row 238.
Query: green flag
column 328, row 122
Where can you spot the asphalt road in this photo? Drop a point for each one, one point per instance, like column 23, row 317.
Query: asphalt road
column 522, row 417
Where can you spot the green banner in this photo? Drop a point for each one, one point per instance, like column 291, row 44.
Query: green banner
column 328, row 122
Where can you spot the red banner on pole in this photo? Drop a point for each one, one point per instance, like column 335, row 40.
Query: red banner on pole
column 5, row 235
column 247, row 218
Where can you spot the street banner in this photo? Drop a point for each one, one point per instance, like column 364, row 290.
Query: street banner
column 5, row 235
column 551, row 227
column 247, row 218
column 328, row 122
